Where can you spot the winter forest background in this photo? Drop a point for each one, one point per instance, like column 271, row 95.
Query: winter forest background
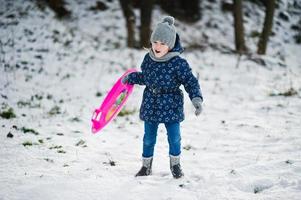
column 59, row 58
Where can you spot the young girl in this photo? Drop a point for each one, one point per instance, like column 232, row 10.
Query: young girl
column 163, row 71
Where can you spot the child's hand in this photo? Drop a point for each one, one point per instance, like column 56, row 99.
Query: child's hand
column 125, row 79
column 197, row 103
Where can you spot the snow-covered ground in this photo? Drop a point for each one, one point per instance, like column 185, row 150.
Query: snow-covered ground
column 245, row 145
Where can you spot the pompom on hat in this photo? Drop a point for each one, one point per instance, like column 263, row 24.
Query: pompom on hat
column 165, row 32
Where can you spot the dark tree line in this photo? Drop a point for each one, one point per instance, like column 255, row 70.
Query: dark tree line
column 190, row 11
column 184, row 10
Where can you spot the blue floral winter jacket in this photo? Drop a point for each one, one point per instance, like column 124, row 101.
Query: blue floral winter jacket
column 162, row 98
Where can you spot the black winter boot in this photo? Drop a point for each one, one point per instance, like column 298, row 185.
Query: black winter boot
column 175, row 166
column 146, row 168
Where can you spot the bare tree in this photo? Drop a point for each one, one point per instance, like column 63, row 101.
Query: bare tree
column 192, row 10
column 182, row 9
column 238, row 26
column 146, row 15
column 128, row 12
column 267, row 27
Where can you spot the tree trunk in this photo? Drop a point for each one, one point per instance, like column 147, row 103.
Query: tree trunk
column 58, row 6
column 267, row 27
column 192, row 10
column 146, row 16
column 238, row 26
column 186, row 10
column 129, row 15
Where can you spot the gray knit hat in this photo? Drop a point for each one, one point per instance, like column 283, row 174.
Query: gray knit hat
column 165, row 32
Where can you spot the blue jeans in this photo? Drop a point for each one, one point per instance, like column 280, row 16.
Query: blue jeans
column 150, row 136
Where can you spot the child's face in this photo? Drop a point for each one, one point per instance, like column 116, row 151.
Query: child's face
column 159, row 49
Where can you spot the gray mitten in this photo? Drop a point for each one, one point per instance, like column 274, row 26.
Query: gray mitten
column 125, row 79
column 197, row 103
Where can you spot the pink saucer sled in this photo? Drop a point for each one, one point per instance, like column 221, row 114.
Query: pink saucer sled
column 112, row 104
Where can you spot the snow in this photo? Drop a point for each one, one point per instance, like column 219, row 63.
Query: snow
column 245, row 145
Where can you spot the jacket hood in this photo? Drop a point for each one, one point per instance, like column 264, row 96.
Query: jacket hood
column 178, row 47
